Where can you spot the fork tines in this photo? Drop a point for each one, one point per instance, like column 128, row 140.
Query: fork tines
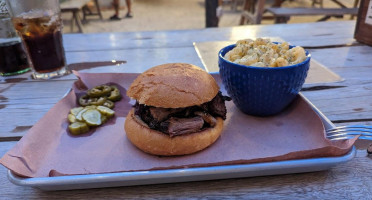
column 347, row 132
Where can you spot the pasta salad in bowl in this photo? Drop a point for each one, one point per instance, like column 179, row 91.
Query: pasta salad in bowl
column 263, row 77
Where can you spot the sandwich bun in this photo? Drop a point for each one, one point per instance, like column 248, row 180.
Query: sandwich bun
column 173, row 85
column 157, row 143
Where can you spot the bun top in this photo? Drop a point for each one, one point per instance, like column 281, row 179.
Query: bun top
column 173, row 85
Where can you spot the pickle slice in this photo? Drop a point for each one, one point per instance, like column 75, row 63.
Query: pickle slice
column 97, row 101
column 106, row 111
column 71, row 118
column 84, row 100
column 99, row 91
column 78, row 128
column 79, row 116
column 109, row 104
column 115, row 94
column 92, row 117
column 91, row 107
column 76, row 110
column 104, row 119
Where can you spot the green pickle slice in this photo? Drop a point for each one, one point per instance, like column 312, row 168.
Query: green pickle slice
column 78, row 128
column 84, row 100
column 89, row 101
column 92, row 117
column 99, row 91
column 106, row 111
column 97, row 101
column 79, row 116
column 91, row 107
column 115, row 94
column 76, row 110
column 104, row 119
column 109, row 104
column 71, row 118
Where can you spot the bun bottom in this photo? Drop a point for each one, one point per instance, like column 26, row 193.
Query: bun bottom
column 157, row 143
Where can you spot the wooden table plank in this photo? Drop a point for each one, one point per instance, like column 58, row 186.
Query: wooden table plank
column 19, row 112
column 138, row 59
column 288, row 12
column 344, row 57
column 319, row 34
column 353, row 103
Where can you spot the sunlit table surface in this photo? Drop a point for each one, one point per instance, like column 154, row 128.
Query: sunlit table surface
column 24, row 101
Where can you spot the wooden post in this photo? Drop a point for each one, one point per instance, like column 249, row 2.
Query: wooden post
column 363, row 30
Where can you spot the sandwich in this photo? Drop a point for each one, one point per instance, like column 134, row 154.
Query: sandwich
column 179, row 110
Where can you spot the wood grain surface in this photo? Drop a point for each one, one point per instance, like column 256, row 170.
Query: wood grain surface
column 24, row 101
column 304, row 34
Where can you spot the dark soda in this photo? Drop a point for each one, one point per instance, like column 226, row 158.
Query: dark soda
column 13, row 58
column 42, row 37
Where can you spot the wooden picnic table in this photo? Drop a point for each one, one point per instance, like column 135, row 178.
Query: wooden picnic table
column 24, row 101
column 75, row 7
column 253, row 11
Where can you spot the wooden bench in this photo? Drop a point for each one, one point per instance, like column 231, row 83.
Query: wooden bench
column 74, row 7
column 252, row 12
column 88, row 12
column 282, row 15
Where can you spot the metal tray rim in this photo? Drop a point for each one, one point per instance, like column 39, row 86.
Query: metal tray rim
column 143, row 176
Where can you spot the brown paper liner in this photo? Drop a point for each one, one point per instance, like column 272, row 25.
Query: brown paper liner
column 49, row 150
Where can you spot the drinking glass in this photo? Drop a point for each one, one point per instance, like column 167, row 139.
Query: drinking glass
column 39, row 24
column 13, row 58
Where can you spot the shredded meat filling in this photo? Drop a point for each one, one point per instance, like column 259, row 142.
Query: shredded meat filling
column 180, row 121
column 178, row 126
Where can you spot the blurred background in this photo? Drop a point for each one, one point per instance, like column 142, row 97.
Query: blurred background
column 151, row 15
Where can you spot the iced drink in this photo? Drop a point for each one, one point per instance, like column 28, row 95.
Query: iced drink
column 13, row 59
column 43, row 40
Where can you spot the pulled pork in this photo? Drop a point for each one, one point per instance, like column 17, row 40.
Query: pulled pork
column 180, row 121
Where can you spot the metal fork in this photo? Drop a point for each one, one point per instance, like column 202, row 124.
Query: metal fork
column 347, row 132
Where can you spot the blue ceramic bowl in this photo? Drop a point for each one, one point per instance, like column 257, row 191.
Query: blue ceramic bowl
column 262, row 91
